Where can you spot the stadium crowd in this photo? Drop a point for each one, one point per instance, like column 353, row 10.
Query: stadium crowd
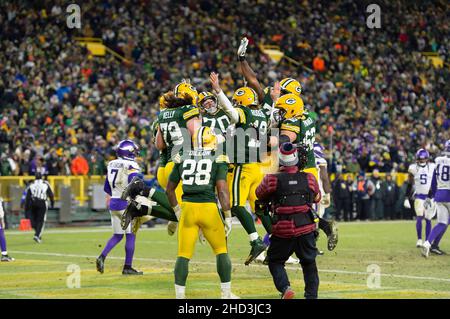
column 62, row 110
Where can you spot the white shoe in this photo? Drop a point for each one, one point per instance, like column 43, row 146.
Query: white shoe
column 229, row 295
column 426, row 249
column 419, row 243
column 261, row 257
column 292, row 261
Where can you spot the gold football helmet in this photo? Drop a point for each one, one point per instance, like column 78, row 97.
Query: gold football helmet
column 289, row 85
column 204, row 139
column 202, row 97
column 291, row 104
column 245, row 96
column 184, row 88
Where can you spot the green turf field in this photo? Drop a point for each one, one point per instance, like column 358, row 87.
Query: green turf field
column 40, row 271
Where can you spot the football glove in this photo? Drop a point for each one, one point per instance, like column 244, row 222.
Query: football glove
column 228, row 225
column 242, row 49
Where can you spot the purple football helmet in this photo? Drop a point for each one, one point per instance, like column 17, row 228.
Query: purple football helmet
column 127, row 149
column 422, row 156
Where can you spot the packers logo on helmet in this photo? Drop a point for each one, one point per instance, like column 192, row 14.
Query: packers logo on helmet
column 186, row 88
column 289, row 85
column 245, row 96
column 204, row 139
column 291, row 104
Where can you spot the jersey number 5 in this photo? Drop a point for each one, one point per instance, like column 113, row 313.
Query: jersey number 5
column 198, row 173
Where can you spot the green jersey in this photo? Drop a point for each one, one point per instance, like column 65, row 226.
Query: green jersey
column 199, row 171
column 171, row 122
column 252, row 126
column 218, row 121
column 305, row 128
column 163, row 153
column 267, row 104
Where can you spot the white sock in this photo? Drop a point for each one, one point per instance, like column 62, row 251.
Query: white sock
column 253, row 236
column 180, row 292
column 225, row 285
column 4, row 253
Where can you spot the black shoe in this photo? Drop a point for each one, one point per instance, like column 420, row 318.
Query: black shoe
column 100, row 262
column 131, row 271
column 437, row 251
column 319, row 252
column 333, row 238
column 134, row 188
column 7, row 258
column 37, row 239
column 258, row 247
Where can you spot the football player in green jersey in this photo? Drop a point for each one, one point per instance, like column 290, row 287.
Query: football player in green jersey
column 177, row 121
column 202, row 173
column 299, row 127
column 245, row 153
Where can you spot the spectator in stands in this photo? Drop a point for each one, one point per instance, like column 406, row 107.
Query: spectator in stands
column 377, row 205
column 389, row 190
column 79, row 164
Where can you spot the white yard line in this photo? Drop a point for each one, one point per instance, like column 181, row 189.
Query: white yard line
column 105, row 229
column 333, row 271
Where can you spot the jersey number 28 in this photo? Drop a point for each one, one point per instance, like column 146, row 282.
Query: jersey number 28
column 198, row 173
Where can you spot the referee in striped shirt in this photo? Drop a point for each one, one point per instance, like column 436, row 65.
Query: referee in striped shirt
column 36, row 202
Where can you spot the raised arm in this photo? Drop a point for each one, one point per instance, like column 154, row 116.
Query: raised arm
column 224, row 102
column 247, row 71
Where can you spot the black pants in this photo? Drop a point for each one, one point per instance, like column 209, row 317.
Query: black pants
column 281, row 249
column 389, row 211
column 38, row 211
column 343, row 205
column 363, row 208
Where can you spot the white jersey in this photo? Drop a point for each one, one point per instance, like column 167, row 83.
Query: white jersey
column 422, row 177
column 118, row 172
column 320, row 162
column 442, row 173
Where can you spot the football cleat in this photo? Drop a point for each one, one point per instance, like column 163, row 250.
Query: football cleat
column 127, row 215
column 319, row 252
column 426, row 249
column 137, row 222
column 228, row 295
column 6, row 258
column 333, row 238
column 437, row 251
column 172, row 227
column 131, row 271
column 288, row 294
column 100, row 263
column 134, row 188
column 258, row 247
column 37, row 239
column 419, row 243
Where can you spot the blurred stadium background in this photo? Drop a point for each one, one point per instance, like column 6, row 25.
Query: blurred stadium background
column 67, row 96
